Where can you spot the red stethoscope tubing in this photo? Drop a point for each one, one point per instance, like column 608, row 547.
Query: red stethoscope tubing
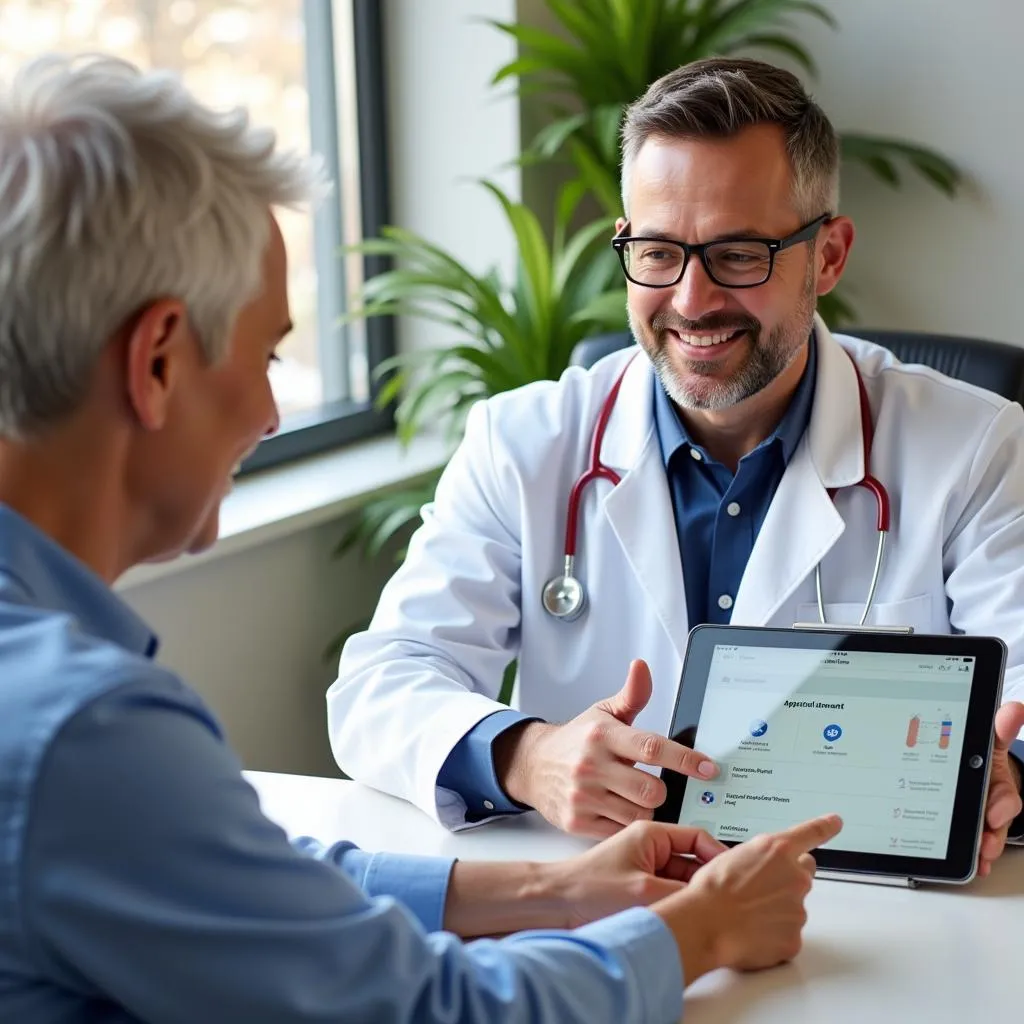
column 597, row 470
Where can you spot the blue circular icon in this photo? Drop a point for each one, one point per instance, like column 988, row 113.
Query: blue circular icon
column 707, row 797
column 758, row 727
column 832, row 733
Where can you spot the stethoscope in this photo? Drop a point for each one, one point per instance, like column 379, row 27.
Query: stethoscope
column 564, row 597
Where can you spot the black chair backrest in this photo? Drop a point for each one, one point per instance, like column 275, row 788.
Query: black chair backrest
column 993, row 365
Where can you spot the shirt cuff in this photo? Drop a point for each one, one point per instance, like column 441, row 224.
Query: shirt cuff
column 419, row 883
column 642, row 940
column 1015, row 834
column 469, row 768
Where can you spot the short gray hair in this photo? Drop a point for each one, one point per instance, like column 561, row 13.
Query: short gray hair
column 719, row 97
column 118, row 188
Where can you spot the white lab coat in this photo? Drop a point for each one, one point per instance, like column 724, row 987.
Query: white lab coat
column 467, row 599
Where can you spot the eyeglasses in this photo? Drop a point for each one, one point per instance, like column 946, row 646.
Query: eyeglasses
column 731, row 263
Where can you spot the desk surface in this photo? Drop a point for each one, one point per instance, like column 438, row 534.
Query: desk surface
column 942, row 954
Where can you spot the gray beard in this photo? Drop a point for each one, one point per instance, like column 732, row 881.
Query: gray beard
column 769, row 356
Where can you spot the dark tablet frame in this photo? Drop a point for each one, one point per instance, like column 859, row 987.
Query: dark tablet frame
column 959, row 864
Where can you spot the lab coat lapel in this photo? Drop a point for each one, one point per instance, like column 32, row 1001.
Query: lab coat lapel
column 639, row 509
column 802, row 523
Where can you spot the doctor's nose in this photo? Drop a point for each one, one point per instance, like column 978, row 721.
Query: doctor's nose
column 696, row 295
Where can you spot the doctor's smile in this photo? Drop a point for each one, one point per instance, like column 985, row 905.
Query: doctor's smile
column 731, row 463
column 723, row 675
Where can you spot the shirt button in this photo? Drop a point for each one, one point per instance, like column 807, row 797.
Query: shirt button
column 725, row 602
column 488, row 805
column 695, row 455
column 732, row 508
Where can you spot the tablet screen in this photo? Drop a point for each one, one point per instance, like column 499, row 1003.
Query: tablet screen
column 875, row 736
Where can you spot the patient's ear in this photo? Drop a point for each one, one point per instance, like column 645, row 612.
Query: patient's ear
column 158, row 343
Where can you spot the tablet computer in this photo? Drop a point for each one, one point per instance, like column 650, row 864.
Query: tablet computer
column 892, row 732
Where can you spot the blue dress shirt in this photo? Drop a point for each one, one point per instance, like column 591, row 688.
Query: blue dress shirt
column 718, row 513
column 139, row 880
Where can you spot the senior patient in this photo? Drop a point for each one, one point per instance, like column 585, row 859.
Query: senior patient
column 142, row 298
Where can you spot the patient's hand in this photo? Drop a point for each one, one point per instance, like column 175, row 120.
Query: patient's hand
column 641, row 864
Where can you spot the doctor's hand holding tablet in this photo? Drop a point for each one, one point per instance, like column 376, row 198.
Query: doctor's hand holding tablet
column 740, row 465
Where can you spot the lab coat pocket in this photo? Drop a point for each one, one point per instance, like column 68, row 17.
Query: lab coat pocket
column 912, row 611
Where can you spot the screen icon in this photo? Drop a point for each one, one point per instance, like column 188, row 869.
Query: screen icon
column 707, row 797
column 832, row 733
column 944, row 732
column 912, row 731
column 758, row 727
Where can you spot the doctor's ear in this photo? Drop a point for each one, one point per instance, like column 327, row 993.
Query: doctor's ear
column 157, row 343
column 830, row 252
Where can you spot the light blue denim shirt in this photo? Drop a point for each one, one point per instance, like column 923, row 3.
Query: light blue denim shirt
column 140, row 882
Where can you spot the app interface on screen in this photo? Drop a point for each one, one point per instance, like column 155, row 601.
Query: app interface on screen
column 874, row 737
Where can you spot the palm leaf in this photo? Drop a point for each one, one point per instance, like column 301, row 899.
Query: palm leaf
column 548, row 142
column 606, row 311
column 781, row 44
column 580, row 22
column 568, row 260
column 881, row 155
column 600, row 178
column 534, row 258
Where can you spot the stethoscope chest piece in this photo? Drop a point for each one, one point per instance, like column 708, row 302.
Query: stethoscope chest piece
column 563, row 596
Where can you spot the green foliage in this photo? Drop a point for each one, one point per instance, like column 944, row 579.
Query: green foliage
column 503, row 333
column 609, row 51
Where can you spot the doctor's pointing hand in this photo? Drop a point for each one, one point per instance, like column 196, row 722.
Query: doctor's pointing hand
column 582, row 775
column 740, row 464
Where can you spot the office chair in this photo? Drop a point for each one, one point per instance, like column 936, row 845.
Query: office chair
column 993, row 365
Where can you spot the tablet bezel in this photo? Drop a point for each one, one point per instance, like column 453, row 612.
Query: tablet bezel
column 960, row 863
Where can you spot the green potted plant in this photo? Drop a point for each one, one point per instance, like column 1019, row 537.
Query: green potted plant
column 504, row 333
column 508, row 333
column 605, row 54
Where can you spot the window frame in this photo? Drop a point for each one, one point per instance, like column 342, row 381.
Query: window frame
column 337, row 423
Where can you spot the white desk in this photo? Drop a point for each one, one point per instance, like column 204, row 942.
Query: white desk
column 871, row 953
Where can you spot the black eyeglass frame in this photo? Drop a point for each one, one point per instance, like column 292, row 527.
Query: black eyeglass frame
column 774, row 245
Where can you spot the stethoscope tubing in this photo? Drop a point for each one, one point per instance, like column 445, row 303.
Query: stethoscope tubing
column 564, row 596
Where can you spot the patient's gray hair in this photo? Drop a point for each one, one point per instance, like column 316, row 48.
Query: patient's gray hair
column 118, row 188
column 719, row 97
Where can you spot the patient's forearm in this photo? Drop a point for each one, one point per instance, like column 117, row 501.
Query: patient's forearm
column 498, row 898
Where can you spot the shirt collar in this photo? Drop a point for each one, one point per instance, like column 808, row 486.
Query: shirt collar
column 54, row 579
column 672, row 433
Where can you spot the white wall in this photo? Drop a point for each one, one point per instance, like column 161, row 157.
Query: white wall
column 947, row 74
column 448, row 129
column 247, row 630
column 944, row 73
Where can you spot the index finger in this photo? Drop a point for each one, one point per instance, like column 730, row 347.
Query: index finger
column 637, row 746
column 809, row 835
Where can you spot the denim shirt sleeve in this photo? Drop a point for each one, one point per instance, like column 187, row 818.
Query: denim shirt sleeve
column 151, row 880
column 421, row 883
column 469, row 768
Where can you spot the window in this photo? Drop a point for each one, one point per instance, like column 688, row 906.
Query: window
column 312, row 70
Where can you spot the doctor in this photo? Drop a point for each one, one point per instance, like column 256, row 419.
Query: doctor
column 727, row 434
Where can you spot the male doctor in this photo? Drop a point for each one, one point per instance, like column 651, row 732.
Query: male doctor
column 728, row 432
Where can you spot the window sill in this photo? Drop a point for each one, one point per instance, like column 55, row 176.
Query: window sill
column 276, row 502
